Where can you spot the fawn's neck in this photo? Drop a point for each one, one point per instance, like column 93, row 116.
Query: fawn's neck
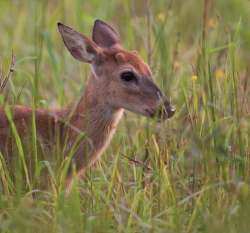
column 96, row 118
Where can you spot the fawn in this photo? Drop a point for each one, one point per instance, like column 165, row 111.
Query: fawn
column 119, row 80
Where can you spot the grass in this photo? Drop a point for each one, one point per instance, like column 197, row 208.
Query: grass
column 190, row 174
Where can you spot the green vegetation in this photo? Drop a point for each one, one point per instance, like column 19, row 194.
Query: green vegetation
column 189, row 174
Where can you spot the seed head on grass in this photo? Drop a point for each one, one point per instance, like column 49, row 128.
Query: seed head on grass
column 4, row 79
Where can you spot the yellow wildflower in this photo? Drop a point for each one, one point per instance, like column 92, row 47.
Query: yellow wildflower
column 161, row 17
column 212, row 23
column 194, row 78
column 219, row 73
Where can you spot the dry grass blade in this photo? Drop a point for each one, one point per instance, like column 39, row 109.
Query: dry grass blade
column 137, row 162
column 4, row 79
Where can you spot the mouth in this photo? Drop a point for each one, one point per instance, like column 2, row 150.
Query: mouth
column 165, row 111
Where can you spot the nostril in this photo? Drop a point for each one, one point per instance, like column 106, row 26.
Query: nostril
column 170, row 110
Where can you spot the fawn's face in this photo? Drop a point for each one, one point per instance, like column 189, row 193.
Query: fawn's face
column 122, row 77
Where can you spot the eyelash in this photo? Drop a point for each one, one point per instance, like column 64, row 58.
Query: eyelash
column 128, row 76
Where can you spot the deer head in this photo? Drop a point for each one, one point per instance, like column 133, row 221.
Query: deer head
column 121, row 78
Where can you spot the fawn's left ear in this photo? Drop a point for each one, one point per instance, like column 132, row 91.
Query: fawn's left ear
column 80, row 47
column 104, row 35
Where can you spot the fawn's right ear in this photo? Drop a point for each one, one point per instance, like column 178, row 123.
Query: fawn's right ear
column 80, row 47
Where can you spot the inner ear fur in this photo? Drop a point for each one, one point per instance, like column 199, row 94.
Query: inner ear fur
column 104, row 35
column 81, row 47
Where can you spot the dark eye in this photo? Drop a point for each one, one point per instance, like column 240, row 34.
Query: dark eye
column 128, row 76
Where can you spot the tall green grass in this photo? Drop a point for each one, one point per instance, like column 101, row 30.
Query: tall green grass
column 189, row 174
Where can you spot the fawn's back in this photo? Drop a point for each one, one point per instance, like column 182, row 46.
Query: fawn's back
column 46, row 123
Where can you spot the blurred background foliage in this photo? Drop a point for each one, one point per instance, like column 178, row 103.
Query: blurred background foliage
column 193, row 172
column 175, row 27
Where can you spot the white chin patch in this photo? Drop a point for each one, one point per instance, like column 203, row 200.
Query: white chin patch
column 93, row 71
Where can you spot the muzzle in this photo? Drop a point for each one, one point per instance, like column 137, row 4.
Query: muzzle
column 165, row 111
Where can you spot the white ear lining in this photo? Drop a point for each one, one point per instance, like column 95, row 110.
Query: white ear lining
column 78, row 45
column 85, row 55
column 90, row 57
